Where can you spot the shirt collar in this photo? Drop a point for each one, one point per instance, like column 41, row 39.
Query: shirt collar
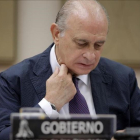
column 54, row 63
column 53, row 60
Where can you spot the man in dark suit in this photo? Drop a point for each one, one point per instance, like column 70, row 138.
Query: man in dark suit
column 79, row 34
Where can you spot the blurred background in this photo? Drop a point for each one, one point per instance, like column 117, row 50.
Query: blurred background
column 25, row 30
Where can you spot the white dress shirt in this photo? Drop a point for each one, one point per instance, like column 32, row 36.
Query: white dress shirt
column 84, row 87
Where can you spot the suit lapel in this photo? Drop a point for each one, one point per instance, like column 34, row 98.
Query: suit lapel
column 101, row 89
column 42, row 71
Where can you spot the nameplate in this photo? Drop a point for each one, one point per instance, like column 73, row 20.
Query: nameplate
column 37, row 126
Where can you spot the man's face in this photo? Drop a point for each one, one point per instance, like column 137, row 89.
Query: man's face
column 81, row 45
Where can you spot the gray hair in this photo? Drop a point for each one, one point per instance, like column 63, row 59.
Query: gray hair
column 67, row 10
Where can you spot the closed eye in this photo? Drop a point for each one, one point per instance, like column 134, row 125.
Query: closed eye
column 98, row 46
column 82, row 44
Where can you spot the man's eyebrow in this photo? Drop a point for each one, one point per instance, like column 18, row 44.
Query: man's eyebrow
column 101, row 42
column 87, row 41
column 81, row 40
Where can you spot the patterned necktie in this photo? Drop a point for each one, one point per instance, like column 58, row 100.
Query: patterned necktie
column 78, row 104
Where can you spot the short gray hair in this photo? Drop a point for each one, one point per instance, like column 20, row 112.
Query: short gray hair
column 67, row 10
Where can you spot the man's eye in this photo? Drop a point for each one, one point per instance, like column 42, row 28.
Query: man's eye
column 82, row 44
column 97, row 46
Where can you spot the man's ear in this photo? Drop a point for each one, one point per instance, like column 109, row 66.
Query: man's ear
column 55, row 33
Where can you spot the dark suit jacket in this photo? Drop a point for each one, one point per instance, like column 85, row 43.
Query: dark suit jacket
column 114, row 90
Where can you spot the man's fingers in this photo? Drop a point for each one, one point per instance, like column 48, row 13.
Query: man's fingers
column 70, row 76
column 63, row 70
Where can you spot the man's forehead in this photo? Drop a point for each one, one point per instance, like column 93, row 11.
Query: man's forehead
column 86, row 16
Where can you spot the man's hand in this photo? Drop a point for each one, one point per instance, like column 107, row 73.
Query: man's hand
column 60, row 88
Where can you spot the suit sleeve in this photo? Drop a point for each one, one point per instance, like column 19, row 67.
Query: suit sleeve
column 10, row 102
column 134, row 100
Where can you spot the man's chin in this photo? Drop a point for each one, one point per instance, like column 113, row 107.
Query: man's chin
column 79, row 72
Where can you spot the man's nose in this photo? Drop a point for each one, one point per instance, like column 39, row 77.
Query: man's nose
column 90, row 56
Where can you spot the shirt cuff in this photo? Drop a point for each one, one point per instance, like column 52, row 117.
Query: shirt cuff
column 46, row 106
